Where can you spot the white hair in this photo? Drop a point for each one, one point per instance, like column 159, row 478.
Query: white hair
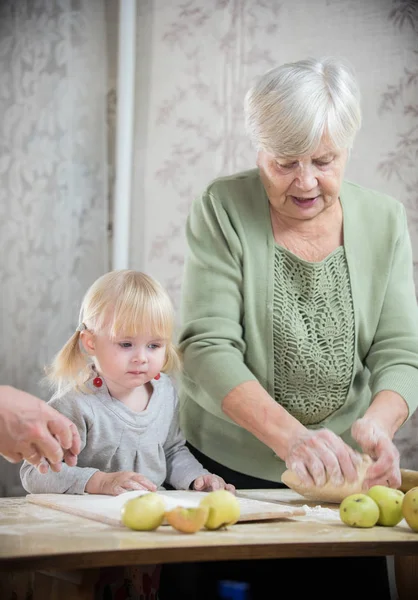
column 291, row 107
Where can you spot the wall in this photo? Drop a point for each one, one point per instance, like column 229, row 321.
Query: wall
column 53, row 182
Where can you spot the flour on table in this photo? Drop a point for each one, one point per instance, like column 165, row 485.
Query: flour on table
column 321, row 514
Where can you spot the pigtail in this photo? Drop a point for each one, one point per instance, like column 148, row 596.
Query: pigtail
column 69, row 369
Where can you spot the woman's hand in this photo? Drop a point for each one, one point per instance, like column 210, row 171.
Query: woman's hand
column 114, row 484
column 210, row 483
column 30, row 429
column 377, row 443
column 321, row 456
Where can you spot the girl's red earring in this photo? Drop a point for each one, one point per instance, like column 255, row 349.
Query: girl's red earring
column 98, row 382
column 157, row 377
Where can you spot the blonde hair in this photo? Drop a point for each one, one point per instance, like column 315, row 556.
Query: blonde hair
column 120, row 302
column 292, row 106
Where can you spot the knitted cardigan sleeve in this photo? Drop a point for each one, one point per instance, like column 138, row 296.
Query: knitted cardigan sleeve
column 393, row 356
column 212, row 340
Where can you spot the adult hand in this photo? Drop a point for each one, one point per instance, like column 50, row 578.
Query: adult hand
column 320, row 456
column 114, row 484
column 30, row 429
column 377, row 443
column 210, row 483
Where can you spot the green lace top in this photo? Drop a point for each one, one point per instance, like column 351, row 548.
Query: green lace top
column 313, row 334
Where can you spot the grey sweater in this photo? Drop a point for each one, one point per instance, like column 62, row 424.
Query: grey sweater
column 115, row 438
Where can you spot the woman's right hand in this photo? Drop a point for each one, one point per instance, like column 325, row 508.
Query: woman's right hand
column 114, row 484
column 30, row 429
column 320, row 456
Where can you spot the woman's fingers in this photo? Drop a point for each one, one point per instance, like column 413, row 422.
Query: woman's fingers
column 323, row 456
column 30, row 453
column 390, row 479
column 46, row 437
column 75, row 446
column 43, row 466
column 347, row 464
column 60, row 442
column 66, row 434
column 47, row 447
column 333, row 471
column 375, row 441
column 70, row 459
column 383, row 472
column 317, row 471
column 302, row 472
column 12, row 457
column 340, row 461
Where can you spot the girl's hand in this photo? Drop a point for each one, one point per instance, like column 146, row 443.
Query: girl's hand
column 210, row 483
column 377, row 443
column 114, row 484
column 321, row 456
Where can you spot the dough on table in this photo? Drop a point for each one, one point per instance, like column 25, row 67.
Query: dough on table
column 329, row 492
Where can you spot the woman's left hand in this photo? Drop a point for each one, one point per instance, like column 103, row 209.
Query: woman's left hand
column 377, row 443
column 210, row 483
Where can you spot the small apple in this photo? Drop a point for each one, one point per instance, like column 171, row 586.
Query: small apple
column 410, row 508
column 143, row 513
column 224, row 509
column 359, row 510
column 389, row 502
column 187, row 520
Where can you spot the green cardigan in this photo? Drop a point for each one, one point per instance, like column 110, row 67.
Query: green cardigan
column 227, row 308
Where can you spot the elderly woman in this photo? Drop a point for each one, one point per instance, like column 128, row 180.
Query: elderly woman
column 300, row 322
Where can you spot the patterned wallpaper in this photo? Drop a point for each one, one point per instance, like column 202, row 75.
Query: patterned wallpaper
column 196, row 59
column 53, row 186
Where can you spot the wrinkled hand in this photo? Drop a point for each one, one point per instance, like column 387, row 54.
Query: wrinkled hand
column 114, row 484
column 32, row 430
column 320, row 456
column 210, row 483
column 377, row 443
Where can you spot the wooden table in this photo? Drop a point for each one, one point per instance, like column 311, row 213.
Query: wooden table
column 61, row 552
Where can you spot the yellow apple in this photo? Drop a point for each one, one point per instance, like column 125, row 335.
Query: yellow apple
column 187, row 520
column 359, row 510
column 389, row 502
column 143, row 513
column 410, row 508
column 224, row 509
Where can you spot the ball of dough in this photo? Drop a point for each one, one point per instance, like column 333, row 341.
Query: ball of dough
column 329, row 492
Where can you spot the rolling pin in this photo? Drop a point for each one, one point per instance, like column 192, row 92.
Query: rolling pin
column 409, row 479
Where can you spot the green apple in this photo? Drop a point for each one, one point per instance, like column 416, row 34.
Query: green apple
column 224, row 509
column 410, row 508
column 359, row 510
column 389, row 502
column 143, row 513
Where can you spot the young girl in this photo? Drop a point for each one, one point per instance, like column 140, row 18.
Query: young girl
column 112, row 380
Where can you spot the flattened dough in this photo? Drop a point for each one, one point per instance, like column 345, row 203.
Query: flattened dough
column 328, row 492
